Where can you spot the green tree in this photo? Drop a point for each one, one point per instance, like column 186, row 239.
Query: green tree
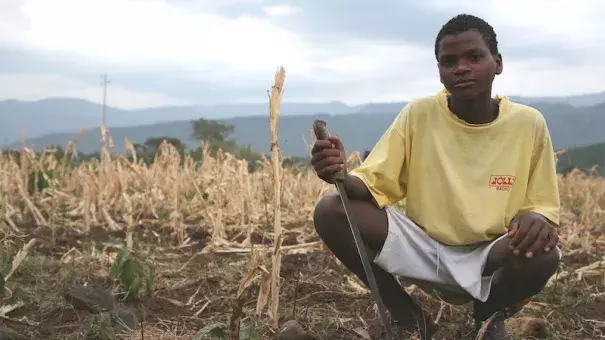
column 211, row 130
column 150, row 147
column 246, row 152
column 215, row 133
column 583, row 157
column 153, row 144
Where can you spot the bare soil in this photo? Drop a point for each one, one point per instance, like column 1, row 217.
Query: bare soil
column 196, row 291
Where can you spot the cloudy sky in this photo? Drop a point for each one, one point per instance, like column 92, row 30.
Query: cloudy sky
column 176, row 52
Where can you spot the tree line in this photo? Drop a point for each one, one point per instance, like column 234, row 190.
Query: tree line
column 217, row 135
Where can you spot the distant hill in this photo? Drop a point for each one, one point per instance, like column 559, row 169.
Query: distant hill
column 293, row 130
column 590, row 99
column 61, row 115
column 569, row 126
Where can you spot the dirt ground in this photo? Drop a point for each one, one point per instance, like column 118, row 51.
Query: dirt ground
column 195, row 292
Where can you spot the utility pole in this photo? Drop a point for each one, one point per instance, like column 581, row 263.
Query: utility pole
column 104, row 83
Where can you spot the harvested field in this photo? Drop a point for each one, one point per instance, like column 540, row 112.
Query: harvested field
column 196, row 225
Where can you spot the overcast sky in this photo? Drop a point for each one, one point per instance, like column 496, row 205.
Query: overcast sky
column 223, row 51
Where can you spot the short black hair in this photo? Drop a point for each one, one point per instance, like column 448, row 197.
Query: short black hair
column 467, row 22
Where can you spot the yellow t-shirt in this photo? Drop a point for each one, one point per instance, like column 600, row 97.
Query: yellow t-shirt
column 464, row 183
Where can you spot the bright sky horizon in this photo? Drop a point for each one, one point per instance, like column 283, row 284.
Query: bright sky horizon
column 183, row 52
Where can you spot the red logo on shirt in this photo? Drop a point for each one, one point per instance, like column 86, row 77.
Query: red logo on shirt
column 502, row 182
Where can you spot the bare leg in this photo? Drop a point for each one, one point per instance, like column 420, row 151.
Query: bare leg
column 333, row 228
column 516, row 279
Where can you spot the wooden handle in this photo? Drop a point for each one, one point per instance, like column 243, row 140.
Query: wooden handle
column 320, row 128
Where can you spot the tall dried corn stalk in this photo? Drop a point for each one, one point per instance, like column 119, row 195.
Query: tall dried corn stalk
column 274, row 106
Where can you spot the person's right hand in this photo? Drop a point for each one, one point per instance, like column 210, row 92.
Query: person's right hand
column 328, row 157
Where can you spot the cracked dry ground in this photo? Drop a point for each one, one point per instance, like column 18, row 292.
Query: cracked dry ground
column 61, row 292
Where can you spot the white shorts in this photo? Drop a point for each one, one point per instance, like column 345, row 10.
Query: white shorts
column 454, row 272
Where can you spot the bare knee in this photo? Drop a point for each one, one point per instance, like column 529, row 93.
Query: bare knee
column 538, row 270
column 328, row 215
column 547, row 264
column 331, row 221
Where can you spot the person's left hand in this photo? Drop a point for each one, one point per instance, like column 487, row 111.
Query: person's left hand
column 530, row 233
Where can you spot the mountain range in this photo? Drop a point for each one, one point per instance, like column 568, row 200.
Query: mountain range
column 572, row 120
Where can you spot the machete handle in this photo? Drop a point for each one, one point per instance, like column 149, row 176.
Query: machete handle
column 320, row 128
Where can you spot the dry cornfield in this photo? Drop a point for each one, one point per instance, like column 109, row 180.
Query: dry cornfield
column 219, row 193
column 198, row 223
column 117, row 248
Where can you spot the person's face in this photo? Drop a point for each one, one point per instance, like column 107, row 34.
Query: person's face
column 466, row 66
